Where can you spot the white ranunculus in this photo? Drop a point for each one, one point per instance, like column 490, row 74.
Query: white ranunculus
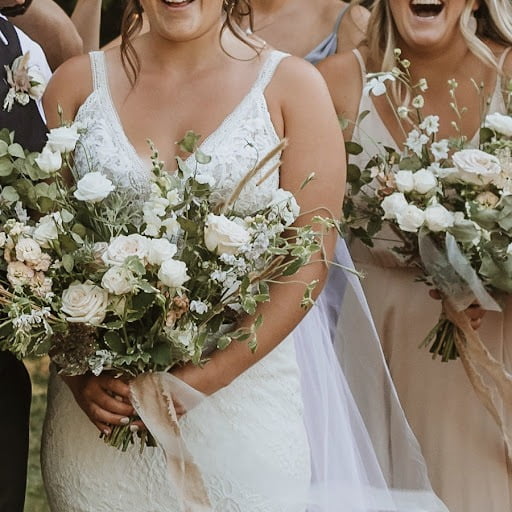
column 393, row 204
column 63, row 139
column 28, row 251
column 477, row 167
column 124, row 246
column 222, row 235
column 85, row 303
column 37, row 83
column 438, row 218
column 173, row 273
column 424, row 181
column 160, row 250
column 404, row 181
column 499, row 123
column 410, row 218
column 93, row 187
column 46, row 229
column 118, row 281
column 49, row 161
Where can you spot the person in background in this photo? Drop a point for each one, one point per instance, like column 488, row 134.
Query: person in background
column 60, row 36
column 27, row 122
column 468, row 41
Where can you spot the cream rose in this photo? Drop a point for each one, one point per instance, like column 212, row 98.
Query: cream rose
column 49, row 161
column 173, row 273
column 85, row 303
column 160, row 250
column 476, row 167
column 222, row 235
column 63, row 139
column 93, row 187
column 499, row 123
column 122, row 247
column 393, row 204
column 404, row 181
column 438, row 218
column 411, row 218
column 424, row 181
column 118, row 281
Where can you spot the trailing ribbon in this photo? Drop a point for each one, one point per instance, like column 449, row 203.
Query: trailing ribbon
column 152, row 399
column 489, row 378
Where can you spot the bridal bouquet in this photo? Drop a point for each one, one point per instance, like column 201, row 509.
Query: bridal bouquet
column 108, row 280
column 450, row 206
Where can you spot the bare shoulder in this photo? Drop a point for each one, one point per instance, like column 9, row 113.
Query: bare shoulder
column 68, row 88
column 352, row 30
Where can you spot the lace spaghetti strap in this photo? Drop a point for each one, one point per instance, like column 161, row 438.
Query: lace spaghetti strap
column 99, row 75
column 268, row 69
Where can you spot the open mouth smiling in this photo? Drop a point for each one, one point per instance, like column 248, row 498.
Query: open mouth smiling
column 426, row 8
column 177, row 3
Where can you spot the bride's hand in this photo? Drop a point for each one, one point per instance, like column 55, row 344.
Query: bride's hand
column 105, row 400
column 474, row 312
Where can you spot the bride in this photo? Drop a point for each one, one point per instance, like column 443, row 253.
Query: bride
column 252, row 435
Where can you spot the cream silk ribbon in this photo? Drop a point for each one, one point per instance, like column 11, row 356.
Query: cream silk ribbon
column 152, row 399
column 489, row 378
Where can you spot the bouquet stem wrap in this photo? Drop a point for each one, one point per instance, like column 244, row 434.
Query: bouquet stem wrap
column 490, row 380
column 152, row 399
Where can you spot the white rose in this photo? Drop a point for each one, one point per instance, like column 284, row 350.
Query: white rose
column 49, row 161
column 424, row 181
column 222, row 235
column 393, row 204
column 499, row 123
column 438, row 218
column 85, row 303
column 118, row 281
column 122, row 247
column 160, row 250
column 173, row 273
column 93, row 187
column 476, row 167
column 37, row 83
column 404, row 181
column 28, row 251
column 46, row 229
column 410, row 218
column 63, row 139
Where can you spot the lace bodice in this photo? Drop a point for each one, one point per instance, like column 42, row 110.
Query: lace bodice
column 261, row 408
column 244, row 137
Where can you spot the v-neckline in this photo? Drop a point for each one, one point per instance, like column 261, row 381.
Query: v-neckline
column 141, row 162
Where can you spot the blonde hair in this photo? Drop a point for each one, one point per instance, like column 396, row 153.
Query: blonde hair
column 494, row 22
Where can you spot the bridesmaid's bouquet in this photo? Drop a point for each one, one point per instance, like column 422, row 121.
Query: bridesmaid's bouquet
column 104, row 279
column 449, row 205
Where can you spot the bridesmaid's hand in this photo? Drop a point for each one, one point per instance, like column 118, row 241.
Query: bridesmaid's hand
column 105, row 400
column 474, row 312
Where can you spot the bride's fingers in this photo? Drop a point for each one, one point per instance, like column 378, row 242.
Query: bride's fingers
column 104, row 417
column 109, row 403
column 117, row 387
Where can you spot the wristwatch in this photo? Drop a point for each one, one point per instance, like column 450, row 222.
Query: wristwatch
column 16, row 10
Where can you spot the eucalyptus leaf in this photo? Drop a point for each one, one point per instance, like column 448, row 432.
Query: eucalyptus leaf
column 16, row 150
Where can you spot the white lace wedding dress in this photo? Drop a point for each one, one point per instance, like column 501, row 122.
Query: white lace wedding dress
column 262, row 408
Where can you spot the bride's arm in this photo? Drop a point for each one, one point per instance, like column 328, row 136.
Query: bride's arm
column 302, row 110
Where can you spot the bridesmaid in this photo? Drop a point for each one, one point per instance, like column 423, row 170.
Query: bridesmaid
column 465, row 40
column 312, row 30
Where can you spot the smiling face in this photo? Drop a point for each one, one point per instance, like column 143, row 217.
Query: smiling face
column 427, row 24
column 183, row 20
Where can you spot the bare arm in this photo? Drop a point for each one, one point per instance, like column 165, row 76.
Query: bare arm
column 87, row 18
column 315, row 144
column 47, row 24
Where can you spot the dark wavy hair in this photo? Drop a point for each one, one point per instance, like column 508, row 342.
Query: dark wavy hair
column 235, row 11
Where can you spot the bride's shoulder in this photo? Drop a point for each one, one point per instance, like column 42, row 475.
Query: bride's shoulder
column 68, row 88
